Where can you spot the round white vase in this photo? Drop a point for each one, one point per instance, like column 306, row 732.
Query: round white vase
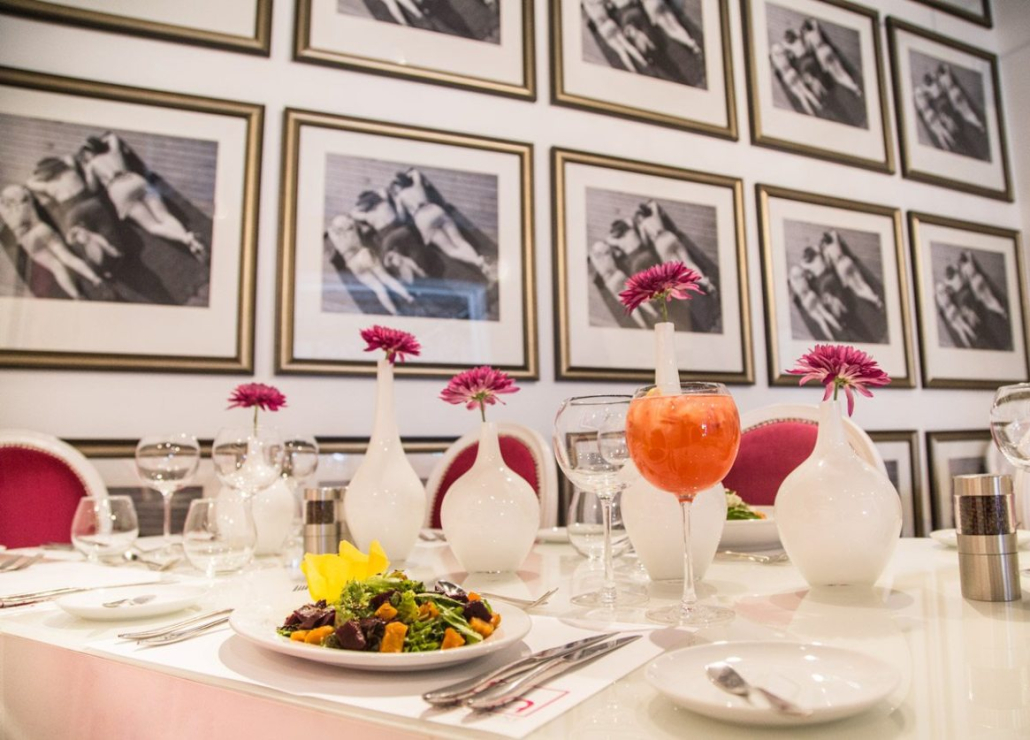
column 275, row 510
column 839, row 518
column 385, row 500
column 654, row 523
column 490, row 515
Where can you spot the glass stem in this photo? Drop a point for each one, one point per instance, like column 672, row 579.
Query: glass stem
column 689, row 600
column 608, row 594
column 168, row 517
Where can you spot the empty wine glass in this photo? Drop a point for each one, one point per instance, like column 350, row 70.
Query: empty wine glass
column 104, row 527
column 1010, row 423
column 166, row 463
column 247, row 459
column 219, row 535
column 590, row 446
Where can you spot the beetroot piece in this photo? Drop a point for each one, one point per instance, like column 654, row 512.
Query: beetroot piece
column 477, row 609
column 372, row 628
column 350, row 636
column 379, row 599
column 310, row 616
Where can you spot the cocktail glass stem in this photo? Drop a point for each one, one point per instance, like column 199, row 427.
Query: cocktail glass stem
column 689, row 599
column 167, row 501
column 608, row 591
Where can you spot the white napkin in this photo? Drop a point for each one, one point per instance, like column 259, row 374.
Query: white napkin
column 223, row 656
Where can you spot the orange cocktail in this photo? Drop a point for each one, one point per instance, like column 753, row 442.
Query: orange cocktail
column 683, row 444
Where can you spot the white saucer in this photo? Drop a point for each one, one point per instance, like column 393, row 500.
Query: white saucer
column 949, row 538
column 832, row 682
column 553, row 534
column 751, row 534
column 168, row 598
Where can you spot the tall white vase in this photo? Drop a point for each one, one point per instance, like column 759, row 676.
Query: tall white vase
column 490, row 515
column 839, row 517
column 385, row 500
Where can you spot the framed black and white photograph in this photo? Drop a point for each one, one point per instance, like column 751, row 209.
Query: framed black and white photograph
column 950, row 121
column 815, row 81
column 484, row 45
column 130, row 209
column 972, row 303
column 974, row 11
column 661, row 61
column 426, row 231
column 614, row 218
column 900, row 453
column 233, row 25
column 950, row 454
column 834, row 271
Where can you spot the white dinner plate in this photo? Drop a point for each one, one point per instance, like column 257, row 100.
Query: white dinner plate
column 258, row 625
column 949, row 538
column 553, row 534
column 751, row 534
column 832, row 682
column 168, row 598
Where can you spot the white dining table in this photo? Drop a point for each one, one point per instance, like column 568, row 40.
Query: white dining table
column 964, row 665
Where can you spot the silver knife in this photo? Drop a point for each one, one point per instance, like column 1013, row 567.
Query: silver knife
column 32, row 597
column 502, row 694
column 462, row 690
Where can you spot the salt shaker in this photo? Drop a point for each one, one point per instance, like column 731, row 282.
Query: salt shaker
column 321, row 523
column 985, row 519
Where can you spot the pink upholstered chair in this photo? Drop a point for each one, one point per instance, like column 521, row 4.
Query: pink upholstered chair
column 776, row 439
column 41, row 482
column 524, row 450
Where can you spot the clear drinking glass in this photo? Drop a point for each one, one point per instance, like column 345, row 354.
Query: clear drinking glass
column 167, row 463
column 104, row 527
column 219, row 535
column 248, row 459
column 586, row 525
column 589, row 443
column 684, row 443
column 1010, row 423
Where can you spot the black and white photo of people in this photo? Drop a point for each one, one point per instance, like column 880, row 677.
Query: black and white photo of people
column 657, row 38
column 104, row 215
column 409, row 241
column 835, row 282
column 627, row 234
column 816, row 67
column 477, row 20
column 949, row 104
column 972, row 306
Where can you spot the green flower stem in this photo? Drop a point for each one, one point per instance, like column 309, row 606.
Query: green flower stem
column 482, row 410
column 255, row 420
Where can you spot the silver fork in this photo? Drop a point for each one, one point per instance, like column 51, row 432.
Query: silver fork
column 185, row 634
column 177, row 626
column 727, row 679
column 522, row 603
column 20, row 562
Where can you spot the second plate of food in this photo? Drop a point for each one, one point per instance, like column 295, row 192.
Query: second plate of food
column 751, row 534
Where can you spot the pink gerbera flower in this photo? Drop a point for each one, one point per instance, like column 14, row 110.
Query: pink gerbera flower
column 661, row 284
column 394, row 342
column 479, row 386
column 257, row 396
column 839, row 366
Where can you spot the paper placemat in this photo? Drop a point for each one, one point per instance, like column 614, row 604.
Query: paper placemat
column 224, row 656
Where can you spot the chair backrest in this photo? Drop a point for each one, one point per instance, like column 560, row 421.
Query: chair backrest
column 41, row 482
column 524, row 450
column 776, row 439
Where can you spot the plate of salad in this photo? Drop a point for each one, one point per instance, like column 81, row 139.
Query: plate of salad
column 385, row 623
column 748, row 527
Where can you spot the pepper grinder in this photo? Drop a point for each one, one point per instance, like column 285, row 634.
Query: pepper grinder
column 985, row 519
column 321, row 524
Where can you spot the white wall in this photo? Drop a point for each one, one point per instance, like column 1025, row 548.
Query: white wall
column 118, row 405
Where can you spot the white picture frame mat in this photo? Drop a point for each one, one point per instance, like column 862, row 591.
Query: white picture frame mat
column 901, row 453
column 142, row 329
column 944, row 452
column 334, row 336
column 621, row 348
column 231, row 17
column 629, row 89
column 372, row 39
column 791, row 125
column 892, row 356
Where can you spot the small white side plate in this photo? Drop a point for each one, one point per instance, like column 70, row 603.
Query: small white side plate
column 168, row 598
column 751, row 534
column 553, row 534
column 949, row 538
column 832, row 682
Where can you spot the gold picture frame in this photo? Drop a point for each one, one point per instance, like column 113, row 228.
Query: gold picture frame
column 465, row 316
column 833, row 123
column 983, row 18
column 48, row 111
column 963, row 343
column 619, row 92
column 963, row 146
column 806, row 302
column 429, row 60
column 949, row 454
column 595, row 339
column 900, row 452
column 258, row 42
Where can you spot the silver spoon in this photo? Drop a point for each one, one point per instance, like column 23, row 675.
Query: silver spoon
column 134, row 557
column 727, row 679
column 134, row 601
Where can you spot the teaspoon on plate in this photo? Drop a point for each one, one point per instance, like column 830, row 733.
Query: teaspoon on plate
column 133, row 601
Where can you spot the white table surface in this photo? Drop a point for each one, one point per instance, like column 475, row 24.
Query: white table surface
column 965, row 665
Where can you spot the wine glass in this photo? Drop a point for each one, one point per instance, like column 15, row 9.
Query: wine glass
column 247, row 459
column 590, row 446
column 1010, row 423
column 219, row 535
column 104, row 527
column 684, row 442
column 166, row 463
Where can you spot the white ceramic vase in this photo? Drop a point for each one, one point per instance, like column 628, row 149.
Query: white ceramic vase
column 274, row 509
column 839, row 517
column 490, row 515
column 385, row 499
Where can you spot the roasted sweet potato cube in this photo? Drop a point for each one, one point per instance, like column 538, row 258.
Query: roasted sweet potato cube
column 451, row 639
column 484, row 628
column 386, row 611
column 495, row 620
column 393, row 637
column 298, row 635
